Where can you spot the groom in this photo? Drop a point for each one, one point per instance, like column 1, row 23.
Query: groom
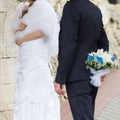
column 81, row 33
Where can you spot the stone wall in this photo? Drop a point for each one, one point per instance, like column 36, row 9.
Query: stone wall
column 111, row 18
column 118, row 1
column 7, row 60
column 8, row 50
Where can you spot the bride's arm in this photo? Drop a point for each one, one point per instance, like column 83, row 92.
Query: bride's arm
column 30, row 37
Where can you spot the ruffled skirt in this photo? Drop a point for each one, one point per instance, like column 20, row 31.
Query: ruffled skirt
column 35, row 97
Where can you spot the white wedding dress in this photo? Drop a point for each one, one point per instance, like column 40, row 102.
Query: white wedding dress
column 35, row 97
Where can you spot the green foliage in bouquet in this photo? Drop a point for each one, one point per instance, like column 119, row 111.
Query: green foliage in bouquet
column 101, row 60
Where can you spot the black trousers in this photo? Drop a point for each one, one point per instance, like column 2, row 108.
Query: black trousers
column 81, row 95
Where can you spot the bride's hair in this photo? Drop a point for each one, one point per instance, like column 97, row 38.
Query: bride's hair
column 26, row 10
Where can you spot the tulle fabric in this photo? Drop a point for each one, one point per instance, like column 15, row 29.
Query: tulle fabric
column 40, row 17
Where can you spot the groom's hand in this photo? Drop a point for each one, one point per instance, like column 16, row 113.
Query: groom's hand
column 58, row 88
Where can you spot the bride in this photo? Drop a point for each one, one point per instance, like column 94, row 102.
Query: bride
column 36, row 29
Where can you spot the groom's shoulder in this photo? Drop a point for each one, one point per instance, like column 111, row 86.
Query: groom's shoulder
column 79, row 4
column 83, row 5
column 72, row 4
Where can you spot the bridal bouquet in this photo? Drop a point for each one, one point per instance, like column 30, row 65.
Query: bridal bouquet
column 100, row 63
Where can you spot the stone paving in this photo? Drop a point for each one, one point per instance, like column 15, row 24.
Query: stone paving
column 111, row 111
column 107, row 102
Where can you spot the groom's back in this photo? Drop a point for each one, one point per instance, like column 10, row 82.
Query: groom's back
column 90, row 24
column 81, row 33
column 90, row 27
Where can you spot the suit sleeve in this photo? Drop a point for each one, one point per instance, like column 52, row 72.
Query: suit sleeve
column 103, row 42
column 68, row 39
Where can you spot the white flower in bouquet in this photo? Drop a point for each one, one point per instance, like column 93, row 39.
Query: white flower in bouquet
column 100, row 63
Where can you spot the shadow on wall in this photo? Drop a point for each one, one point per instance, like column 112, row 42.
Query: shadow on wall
column 113, row 1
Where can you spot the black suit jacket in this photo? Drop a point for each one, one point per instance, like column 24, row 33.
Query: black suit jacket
column 81, row 33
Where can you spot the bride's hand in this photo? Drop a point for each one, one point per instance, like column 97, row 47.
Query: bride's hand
column 19, row 42
column 22, row 26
